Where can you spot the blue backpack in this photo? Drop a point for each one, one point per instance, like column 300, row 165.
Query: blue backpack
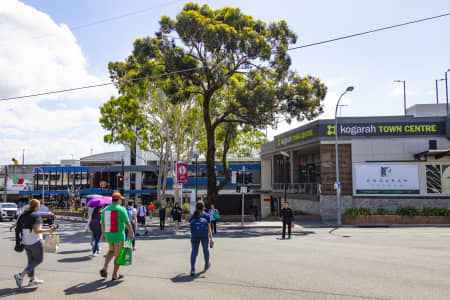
column 130, row 214
column 199, row 228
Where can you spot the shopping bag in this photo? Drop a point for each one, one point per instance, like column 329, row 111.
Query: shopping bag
column 51, row 243
column 292, row 224
column 125, row 255
column 216, row 216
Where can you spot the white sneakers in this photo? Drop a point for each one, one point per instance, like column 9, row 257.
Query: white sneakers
column 19, row 281
column 35, row 282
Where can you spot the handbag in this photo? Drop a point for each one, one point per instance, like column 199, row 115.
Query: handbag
column 126, row 254
column 51, row 243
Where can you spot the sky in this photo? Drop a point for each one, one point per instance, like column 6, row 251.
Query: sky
column 53, row 45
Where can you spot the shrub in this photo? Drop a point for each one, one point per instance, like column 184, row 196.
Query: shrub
column 381, row 212
column 187, row 208
column 352, row 213
column 407, row 211
column 298, row 213
column 365, row 211
column 434, row 211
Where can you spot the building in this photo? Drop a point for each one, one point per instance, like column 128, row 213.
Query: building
column 384, row 162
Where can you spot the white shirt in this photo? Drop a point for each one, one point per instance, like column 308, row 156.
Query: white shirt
column 141, row 211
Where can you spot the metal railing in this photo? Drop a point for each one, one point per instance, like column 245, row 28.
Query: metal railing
column 297, row 188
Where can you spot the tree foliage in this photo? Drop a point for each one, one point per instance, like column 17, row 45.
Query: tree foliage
column 237, row 66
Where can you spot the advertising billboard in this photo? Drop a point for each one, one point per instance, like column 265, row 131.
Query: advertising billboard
column 438, row 179
column 182, row 172
column 382, row 179
column 18, row 183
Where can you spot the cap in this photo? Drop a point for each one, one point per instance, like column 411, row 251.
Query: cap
column 117, row 196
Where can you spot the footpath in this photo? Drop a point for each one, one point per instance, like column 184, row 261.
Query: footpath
column 154, row 222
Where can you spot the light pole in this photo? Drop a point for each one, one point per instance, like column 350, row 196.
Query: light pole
column 195, row 155
column 285, row 157
column 338, row 183
column 43, row 184
column 404, row 92
column 437, row 89
column 446, row 88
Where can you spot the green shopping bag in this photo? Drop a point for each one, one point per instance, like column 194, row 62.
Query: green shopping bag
column 125, row 255
column 216, row 216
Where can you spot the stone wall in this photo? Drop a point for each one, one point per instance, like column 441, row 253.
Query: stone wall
column 306, row 206
column 328, row 206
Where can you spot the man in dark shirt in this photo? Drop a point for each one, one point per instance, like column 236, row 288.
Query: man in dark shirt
column 162, row 217
column 288, row 217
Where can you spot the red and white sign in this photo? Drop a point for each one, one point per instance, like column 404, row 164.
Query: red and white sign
column 182, row 172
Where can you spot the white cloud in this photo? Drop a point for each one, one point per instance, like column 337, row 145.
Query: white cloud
column 38, row 55
column 398, row 91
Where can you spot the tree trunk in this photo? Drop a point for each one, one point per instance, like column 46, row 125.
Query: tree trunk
column 210, row 153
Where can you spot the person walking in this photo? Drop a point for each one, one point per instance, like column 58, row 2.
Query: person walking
column 288, row 217
column 200, row 232
column 29, row 228
column 212, row 212
column 141, row 213
column 151, row 208
column 132, row 216
column 96, row 229
column 114, row 221
column 162, row 217
column 176, row 214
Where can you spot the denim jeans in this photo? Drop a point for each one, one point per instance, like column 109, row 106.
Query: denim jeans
column 134, row 231
column 195, row 245
column 96, row 236
column 35, row 255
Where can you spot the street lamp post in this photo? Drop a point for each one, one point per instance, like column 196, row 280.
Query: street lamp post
column 285, row 157
column 404, row 93
column 437, row 89
column 196, row 185
column 338, row 183
column 446, row 88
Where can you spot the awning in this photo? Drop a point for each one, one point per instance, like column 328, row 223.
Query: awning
column 438, row 153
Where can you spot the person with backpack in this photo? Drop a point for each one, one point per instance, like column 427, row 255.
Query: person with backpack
column 176, row 214
column 132, row 216
column 96, row 229
column 29, row 237
column 141, row 213
column 200, row 234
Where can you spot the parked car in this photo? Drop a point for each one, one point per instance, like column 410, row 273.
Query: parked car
column 47, row 216
column 8, row 211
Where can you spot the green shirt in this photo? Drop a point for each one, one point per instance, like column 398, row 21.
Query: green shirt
column 114, row 218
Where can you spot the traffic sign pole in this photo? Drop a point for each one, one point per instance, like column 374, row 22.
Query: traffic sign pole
column 243, row 195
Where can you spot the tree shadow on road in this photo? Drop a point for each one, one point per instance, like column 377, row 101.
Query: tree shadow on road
column 74, row 259
column 10, row 292
column 90, row 287
column 183, row 277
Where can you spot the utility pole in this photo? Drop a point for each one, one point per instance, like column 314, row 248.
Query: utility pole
column 5, row 194
column 243, row 195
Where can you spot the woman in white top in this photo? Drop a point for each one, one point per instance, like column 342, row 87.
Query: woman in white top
column 30, row 223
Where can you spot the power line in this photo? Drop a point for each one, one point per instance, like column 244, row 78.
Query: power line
column 370, row 31
column 191, row 69
column 96, row 85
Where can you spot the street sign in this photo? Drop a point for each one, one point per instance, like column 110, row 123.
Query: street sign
column 182, row 172
column 233, row 177
column 103, row 184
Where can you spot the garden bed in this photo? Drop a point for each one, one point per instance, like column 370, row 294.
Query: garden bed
column 394, row 219
column 297, row 218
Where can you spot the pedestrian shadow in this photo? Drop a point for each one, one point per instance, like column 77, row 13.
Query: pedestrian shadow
column 183, row 277
column 74, row 259
column 90, row 287
column 10, row 292
column 74, row 251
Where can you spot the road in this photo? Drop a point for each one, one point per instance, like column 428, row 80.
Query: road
column 318, row 263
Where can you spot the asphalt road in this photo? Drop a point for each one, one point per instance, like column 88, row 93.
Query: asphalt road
column 318, row 263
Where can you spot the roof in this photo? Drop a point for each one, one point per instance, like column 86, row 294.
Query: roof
column 438, row 153
column 106, row 156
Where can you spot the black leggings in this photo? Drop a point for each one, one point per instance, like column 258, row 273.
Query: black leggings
column 162, row 223
column 214, row 227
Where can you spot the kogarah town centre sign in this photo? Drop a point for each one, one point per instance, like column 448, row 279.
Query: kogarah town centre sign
column 327, row 129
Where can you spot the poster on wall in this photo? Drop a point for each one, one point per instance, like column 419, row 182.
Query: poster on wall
column 20, row 183
column 438, row 179
column 382, row 179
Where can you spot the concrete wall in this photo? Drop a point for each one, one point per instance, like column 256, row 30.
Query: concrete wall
column 306, row 206
column 265, row 205
column 266, row 174
column 389, row 149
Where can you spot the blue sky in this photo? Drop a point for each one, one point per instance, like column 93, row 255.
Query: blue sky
column 418, row 53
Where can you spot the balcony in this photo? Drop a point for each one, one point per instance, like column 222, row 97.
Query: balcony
column 311, row 190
